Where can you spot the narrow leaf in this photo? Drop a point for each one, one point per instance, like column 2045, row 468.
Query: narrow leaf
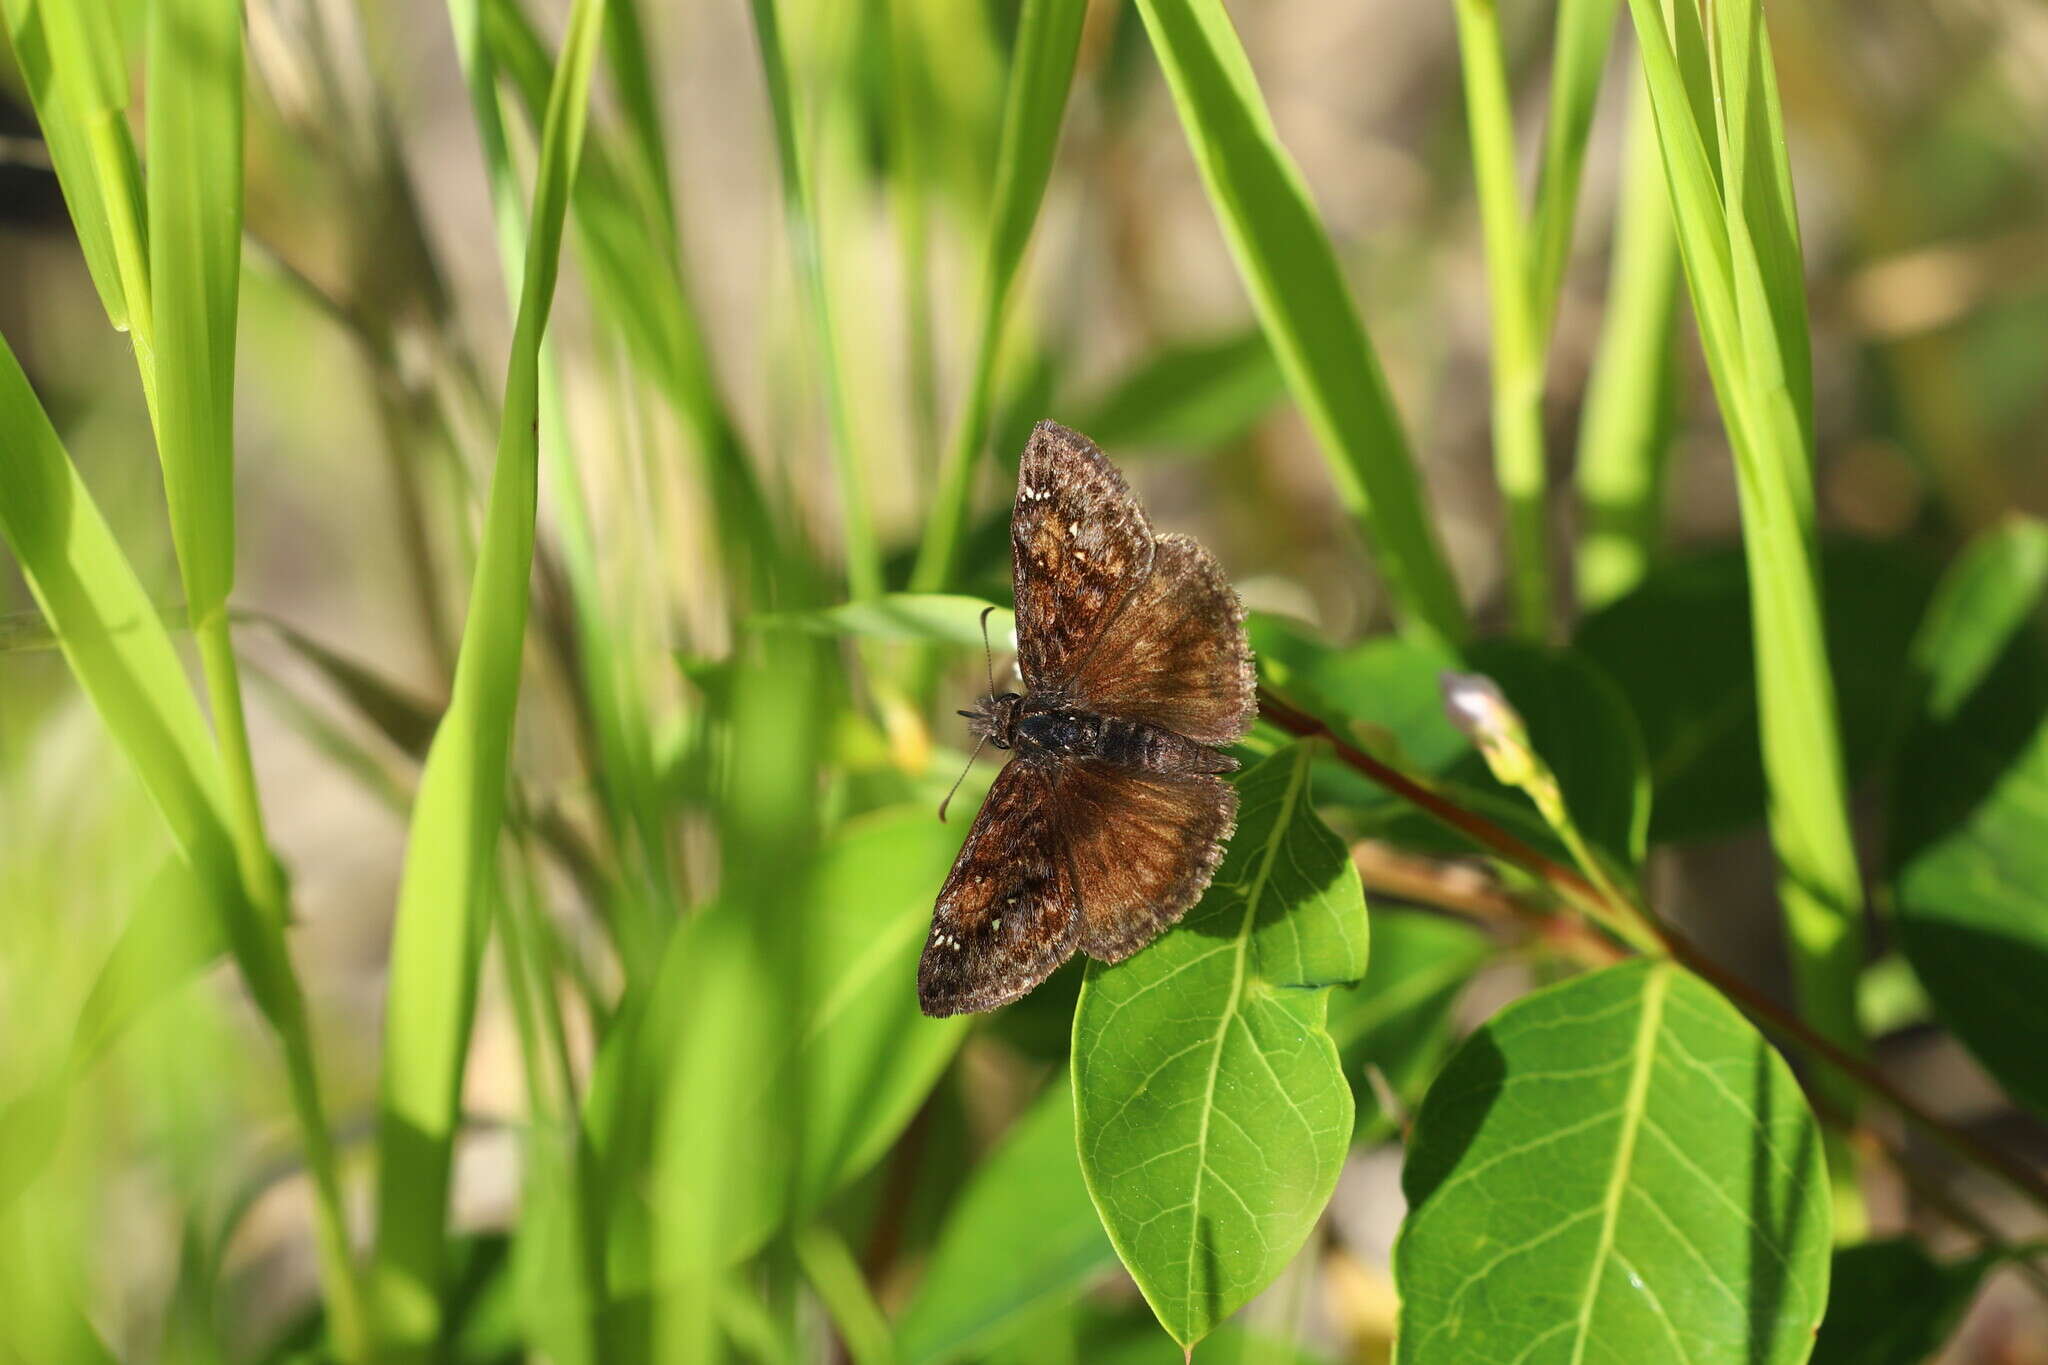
column 940, row 617
column 1291, row 272
column 1212, row 1110
column 437, row 939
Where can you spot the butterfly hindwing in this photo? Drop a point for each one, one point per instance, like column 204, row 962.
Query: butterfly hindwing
column 1007, row 915
column 1079, row 544
column 1143, row 846
column 1176, row 654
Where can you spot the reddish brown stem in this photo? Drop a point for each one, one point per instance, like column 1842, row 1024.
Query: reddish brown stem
column 1682, row 950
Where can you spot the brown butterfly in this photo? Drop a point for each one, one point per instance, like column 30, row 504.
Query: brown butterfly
column 1110, row 817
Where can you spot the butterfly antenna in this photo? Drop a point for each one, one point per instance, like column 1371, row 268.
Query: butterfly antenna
column 988, row 654
column 963, row 775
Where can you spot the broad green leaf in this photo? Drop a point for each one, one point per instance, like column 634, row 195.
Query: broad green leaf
column 824, row 1092
column 1970, row 820
column 1399, row 1018
column 1211, row 1105
column 1985, row 596
column 1041, row 74
column 941, row 617
column 1680, row 646
column 1615, row 1168
column 1187, row 397
column 437, row 938
column 1022, row 1234
column 1291, row 272
column 1890, row 1303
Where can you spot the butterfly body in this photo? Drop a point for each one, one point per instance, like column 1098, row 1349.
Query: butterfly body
column 1110, row 818
column 1050, row 727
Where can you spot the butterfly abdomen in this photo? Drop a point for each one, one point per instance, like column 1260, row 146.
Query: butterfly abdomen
column 1134, row 744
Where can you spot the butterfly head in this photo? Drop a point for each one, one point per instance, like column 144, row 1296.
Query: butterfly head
column 995, row 719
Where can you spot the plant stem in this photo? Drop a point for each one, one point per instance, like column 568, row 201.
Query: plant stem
column 1569, row 883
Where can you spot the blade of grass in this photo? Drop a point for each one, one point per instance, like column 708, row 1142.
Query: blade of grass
column 437, row 938
column 800, row 220
column 604, row 640
column 1745, row 299
column 1625, row 435
column 1041, row 75
column 1291, row 272
column 629, row 252
column 1585, row 32
column 116, row 644
column 840, row 1284
column 1518, row 347
column 91, row 86
column 70, row 153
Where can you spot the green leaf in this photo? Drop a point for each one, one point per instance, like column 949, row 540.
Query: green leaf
column 1892, row 1304
column 1021, row 1235
column 1212, row 1110
column 195, row 248
column 115, row 642
column 1969, row 822
column 1041, row 74
column 822, row 1095
column 70, row 152
column 1399, row 1018
column 1984, row 598
column 437, row 938
column 937, row 616
column 1290, row 270
column 1615, row 1168
column 1681, row 649
column 1187, row 397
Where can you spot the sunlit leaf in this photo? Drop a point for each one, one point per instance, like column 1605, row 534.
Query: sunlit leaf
column 1618, row 1167
column 1212, row 1109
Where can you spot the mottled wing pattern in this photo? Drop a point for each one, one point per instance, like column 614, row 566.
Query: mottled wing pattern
column 1176, row 655
column 1079, row 544
column 1006, row 916
column 1143, row 848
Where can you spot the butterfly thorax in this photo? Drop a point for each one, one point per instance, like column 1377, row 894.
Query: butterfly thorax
column 1045, row 726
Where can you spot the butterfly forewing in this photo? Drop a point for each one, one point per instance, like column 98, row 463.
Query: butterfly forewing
column 1079, row 544
column 1007, row 915
column 1144, row 847
column 1109, row 820
column 1176, row 654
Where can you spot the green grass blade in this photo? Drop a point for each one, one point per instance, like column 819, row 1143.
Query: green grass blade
column 1731, row 232
column 1585, row 32
column 1292, row 275
column 1625, row 435
column 1042, row 73
column 800, row 216
column 90, row 83
column 70, row 153
column 195, row 233
column 437, row 939
column 1518, row 346
column 116, row 644
column 636, row 282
